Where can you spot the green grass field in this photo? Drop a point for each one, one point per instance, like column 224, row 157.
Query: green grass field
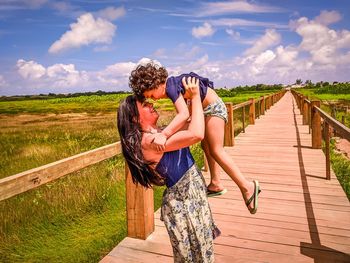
column 80, row 217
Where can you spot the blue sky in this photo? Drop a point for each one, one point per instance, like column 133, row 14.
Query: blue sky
column 70, row 46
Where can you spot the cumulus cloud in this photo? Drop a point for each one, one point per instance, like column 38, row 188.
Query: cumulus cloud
column 85, row 31
column 325, row 45
column 111, row 13
column 30, row 69
column 203, row 31
column 63, row 78
column 328, row 17
column 232, row 7
column 269, row 39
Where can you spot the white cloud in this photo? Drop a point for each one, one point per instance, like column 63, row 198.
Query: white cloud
column 86, row 31
column 328, row 17
column 269, row 39
column 286, row 56
column 325, row 45
column 261, row 61
column 111, row 13
column 203, row 31
column 234, row 34
column 231, row 7
column 232, row 22
column 30, row 69
column 63, row 78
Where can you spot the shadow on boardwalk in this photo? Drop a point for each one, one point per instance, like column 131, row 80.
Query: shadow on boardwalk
column 314, row 249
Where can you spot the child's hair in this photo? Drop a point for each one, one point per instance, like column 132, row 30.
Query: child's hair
column 146, row 77
column 128, row 122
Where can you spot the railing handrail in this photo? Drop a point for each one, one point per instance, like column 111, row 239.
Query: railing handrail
column 312, row 115
column 340, row 128
column 335, row 124
column 24, row 181
column 242, row 104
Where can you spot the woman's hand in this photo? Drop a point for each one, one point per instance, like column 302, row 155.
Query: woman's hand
column 159, row 141
column 191, row 87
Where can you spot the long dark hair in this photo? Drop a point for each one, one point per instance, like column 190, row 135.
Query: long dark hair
column 128, row 121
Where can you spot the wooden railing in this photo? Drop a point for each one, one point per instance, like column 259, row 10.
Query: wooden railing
column 319, row 123
column 257, row 107
column 139, row 200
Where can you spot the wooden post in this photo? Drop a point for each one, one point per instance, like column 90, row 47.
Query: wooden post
column 305, row 114
column 229, row 128
column 243, row 118
column 139, row 208
column 316, row 126
column 328, row 164
column 262, row 105
column 302, row 106
column 252, row 111
column 206, row 165
column 266, row 103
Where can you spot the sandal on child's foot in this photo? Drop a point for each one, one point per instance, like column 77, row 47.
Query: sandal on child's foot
column 211, row 193
column 254, row 197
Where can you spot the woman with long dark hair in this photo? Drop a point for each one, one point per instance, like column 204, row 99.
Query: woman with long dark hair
column 185, row 209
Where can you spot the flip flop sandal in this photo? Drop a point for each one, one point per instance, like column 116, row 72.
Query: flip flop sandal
column 254, row 197
column 216, row 193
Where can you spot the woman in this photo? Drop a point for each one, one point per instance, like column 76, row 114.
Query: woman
column 185, row 209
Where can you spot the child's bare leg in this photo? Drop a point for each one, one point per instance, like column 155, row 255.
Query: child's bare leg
column 214, row 135
column 215, row 182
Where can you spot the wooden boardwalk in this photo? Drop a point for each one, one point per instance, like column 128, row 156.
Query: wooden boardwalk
column 301, row 217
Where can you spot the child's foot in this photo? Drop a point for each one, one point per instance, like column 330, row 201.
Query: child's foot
column 215, row 190
column 251, row 196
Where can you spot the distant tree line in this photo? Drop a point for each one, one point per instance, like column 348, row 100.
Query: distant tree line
column 60, row 95
column 221, row 92
column 255, row 88
column 329, row 88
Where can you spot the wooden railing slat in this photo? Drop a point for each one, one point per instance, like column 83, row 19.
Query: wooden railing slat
column 22, row 182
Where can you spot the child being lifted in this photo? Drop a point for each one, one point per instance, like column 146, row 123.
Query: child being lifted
column 150, row 80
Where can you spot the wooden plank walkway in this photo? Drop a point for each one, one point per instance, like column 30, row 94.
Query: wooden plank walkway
column 301, row 217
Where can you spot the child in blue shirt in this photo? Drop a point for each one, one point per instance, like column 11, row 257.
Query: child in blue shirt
column 150, row 80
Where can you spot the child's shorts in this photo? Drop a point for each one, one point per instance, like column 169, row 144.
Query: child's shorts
column 218, row 109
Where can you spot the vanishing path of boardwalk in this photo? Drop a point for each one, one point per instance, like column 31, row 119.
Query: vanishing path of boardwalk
column 301, row 217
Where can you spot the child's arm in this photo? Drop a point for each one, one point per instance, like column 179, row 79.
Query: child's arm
column 176, row 124
column 180, row 118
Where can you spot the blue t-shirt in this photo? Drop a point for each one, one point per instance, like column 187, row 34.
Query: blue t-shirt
column 173, row 165
column 174, row 86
